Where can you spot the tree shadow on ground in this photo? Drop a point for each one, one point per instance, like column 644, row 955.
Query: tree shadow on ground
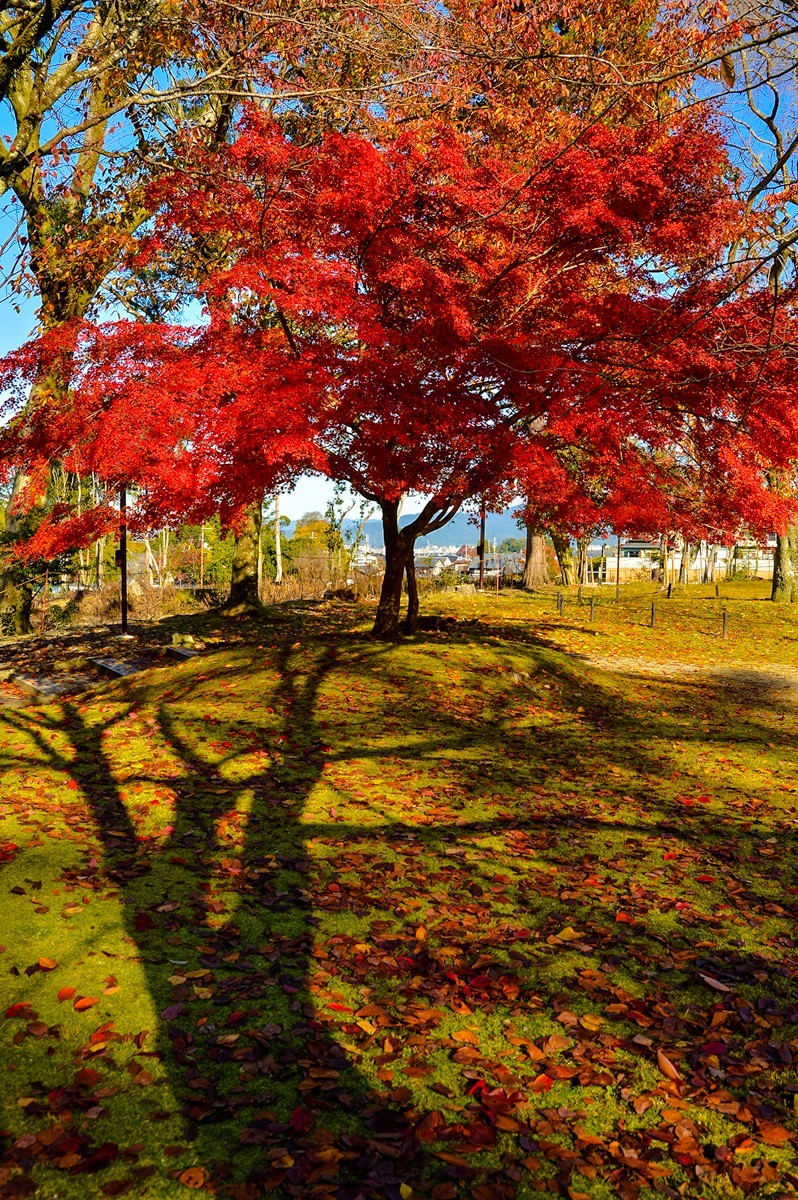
column 455, row 910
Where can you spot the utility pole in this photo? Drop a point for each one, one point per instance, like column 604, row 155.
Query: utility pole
column 618, row 570
column 123, row 553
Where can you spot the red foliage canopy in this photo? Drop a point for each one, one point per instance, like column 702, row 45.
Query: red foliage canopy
column 426, row 316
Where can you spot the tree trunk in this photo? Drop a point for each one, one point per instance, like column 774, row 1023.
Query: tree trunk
column 411, row 620
column 565, row 557
column 278, row 550
column 243, row 596
column 100, row 563
column 536, row 572
column 785, row 567
column 386, row 622
column 17, row 595
column 150, row 557
column 54, row 380
column 581, row 560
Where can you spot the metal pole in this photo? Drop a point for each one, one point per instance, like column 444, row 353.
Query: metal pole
column 481, row 546
column 202, row 554
column 618, row 570
column 123, row 552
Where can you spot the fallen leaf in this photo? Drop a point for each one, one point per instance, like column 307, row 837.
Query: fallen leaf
column 569, row 935
column 194, row 1177
column 666, row 1066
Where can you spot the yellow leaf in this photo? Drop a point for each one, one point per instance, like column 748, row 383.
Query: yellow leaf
column 569, row 935
column 405, row 1191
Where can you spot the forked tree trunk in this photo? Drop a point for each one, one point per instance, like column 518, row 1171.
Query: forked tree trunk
column 565, row 557
column 386, row 622
column 399, row 561
column 536, row 571
column 243, row 596
column 411, row 620
column 785, row 567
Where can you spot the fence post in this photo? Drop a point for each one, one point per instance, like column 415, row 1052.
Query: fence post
column 725, row 633
column 653, row 615
column 670, row 589
column 592, row 608
column 560, row 603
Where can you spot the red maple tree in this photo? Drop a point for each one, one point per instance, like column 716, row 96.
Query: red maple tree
column 411, row 316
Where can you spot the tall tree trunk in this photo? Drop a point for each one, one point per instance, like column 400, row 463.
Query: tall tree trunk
column 785, row 567
column 536, row 571
column 53, row 381
column 260, row 558
column 581, row 560
column 150, row 557
column 278, row 549
column 565, row 557
column 386, row 622
column 17, row 592
column 243, row 596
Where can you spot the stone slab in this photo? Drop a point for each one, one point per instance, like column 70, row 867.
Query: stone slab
column 42, row 685
column 113, row 666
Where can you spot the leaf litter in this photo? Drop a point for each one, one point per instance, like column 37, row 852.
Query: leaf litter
column 326, row 918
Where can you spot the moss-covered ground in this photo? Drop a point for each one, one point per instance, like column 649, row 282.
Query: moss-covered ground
column 481, row 913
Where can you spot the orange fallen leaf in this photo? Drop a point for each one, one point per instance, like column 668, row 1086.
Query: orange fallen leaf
column 194, row 1177
column 465, row 1035
column 48, row 964
column 66, row 993
column 666, row 1066
column 85, row 1002
column 421, row 933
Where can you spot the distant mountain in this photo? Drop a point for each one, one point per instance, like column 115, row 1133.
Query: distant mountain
column 460, row 531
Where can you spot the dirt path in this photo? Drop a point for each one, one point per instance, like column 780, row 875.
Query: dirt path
column 755, row 680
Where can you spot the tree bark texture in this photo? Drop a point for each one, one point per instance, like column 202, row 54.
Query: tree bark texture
column 565, row 557
column 785, row 567
column 243, row 596
column 536, row 571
